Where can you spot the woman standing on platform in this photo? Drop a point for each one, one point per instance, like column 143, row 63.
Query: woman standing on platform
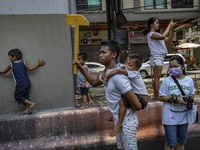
column 158, row 50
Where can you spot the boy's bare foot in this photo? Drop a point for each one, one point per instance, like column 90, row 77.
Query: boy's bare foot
column 116, row 130
column 31, row 107
column 110, row 119
column 83, row 107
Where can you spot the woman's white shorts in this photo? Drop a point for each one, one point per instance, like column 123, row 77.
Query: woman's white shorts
column 157, row 60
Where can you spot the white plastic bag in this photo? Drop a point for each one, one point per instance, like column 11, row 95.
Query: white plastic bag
column 192, row 115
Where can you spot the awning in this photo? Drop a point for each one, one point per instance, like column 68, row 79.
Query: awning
column 187, row 46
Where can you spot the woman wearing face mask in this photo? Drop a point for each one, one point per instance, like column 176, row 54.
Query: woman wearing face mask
column 174, row 114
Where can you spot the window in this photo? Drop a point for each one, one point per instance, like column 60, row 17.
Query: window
column 155, row 4
column 182, row 3
column 88, row 5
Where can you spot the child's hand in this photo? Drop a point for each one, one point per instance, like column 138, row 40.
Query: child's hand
column 83, row 85
column 77, row 63
column 109, row 75
column 41, row 62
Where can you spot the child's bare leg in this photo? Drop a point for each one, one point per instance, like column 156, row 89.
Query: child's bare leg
column 121, row 114
column 26, row 108
column 89, row 99
column 84, row 100
column 29, row 104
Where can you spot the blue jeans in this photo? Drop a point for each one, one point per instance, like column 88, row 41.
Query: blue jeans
column 175, row 133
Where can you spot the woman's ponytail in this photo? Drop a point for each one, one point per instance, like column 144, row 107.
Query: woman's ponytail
column 146, row 30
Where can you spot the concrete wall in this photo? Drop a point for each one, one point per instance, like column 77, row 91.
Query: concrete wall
column 85, row 129
column 39, row 36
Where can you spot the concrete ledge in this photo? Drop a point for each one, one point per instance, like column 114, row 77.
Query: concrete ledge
column 69, row 128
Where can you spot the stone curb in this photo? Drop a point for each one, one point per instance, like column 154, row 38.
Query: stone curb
column 75, row 129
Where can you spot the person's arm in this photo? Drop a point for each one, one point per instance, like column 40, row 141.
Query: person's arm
column 93, row 81
column 133, row 100
column 172, row 99
column 123, row 84
column 165, row 34
column 6, row 69
column 145, row 97
column 85, row 81
column 164, row 92
column 114, row 72
column 165, row 98
column 39, row 63
column 117, row 71
column 169, row 38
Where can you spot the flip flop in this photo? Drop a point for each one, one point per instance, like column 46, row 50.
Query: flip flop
column 91, row 103
column 31, row 109
column 83, row 107
column 23, row 113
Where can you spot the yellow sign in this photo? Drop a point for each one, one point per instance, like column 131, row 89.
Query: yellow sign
column 76, row 20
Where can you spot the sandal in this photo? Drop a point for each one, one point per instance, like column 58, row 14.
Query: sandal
column 90, row 103
column 23, row 113
column 31, row 109
column 82, row 107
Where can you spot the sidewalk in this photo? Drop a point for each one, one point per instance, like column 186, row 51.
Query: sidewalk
column 88, row 129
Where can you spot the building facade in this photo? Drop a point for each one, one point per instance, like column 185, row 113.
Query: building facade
column 185, row 12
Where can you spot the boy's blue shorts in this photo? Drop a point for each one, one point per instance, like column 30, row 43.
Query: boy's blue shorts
column 174, row 133
column 84, row 91
column 22, row 94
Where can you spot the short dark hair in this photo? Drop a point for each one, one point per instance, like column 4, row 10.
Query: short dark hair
column 15, row 52
column 83, row 56
column 138, row 59
column 113, row 46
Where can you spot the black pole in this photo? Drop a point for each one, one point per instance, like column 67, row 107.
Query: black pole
column 118, row 6
column 108, row 19
column 114, row 22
